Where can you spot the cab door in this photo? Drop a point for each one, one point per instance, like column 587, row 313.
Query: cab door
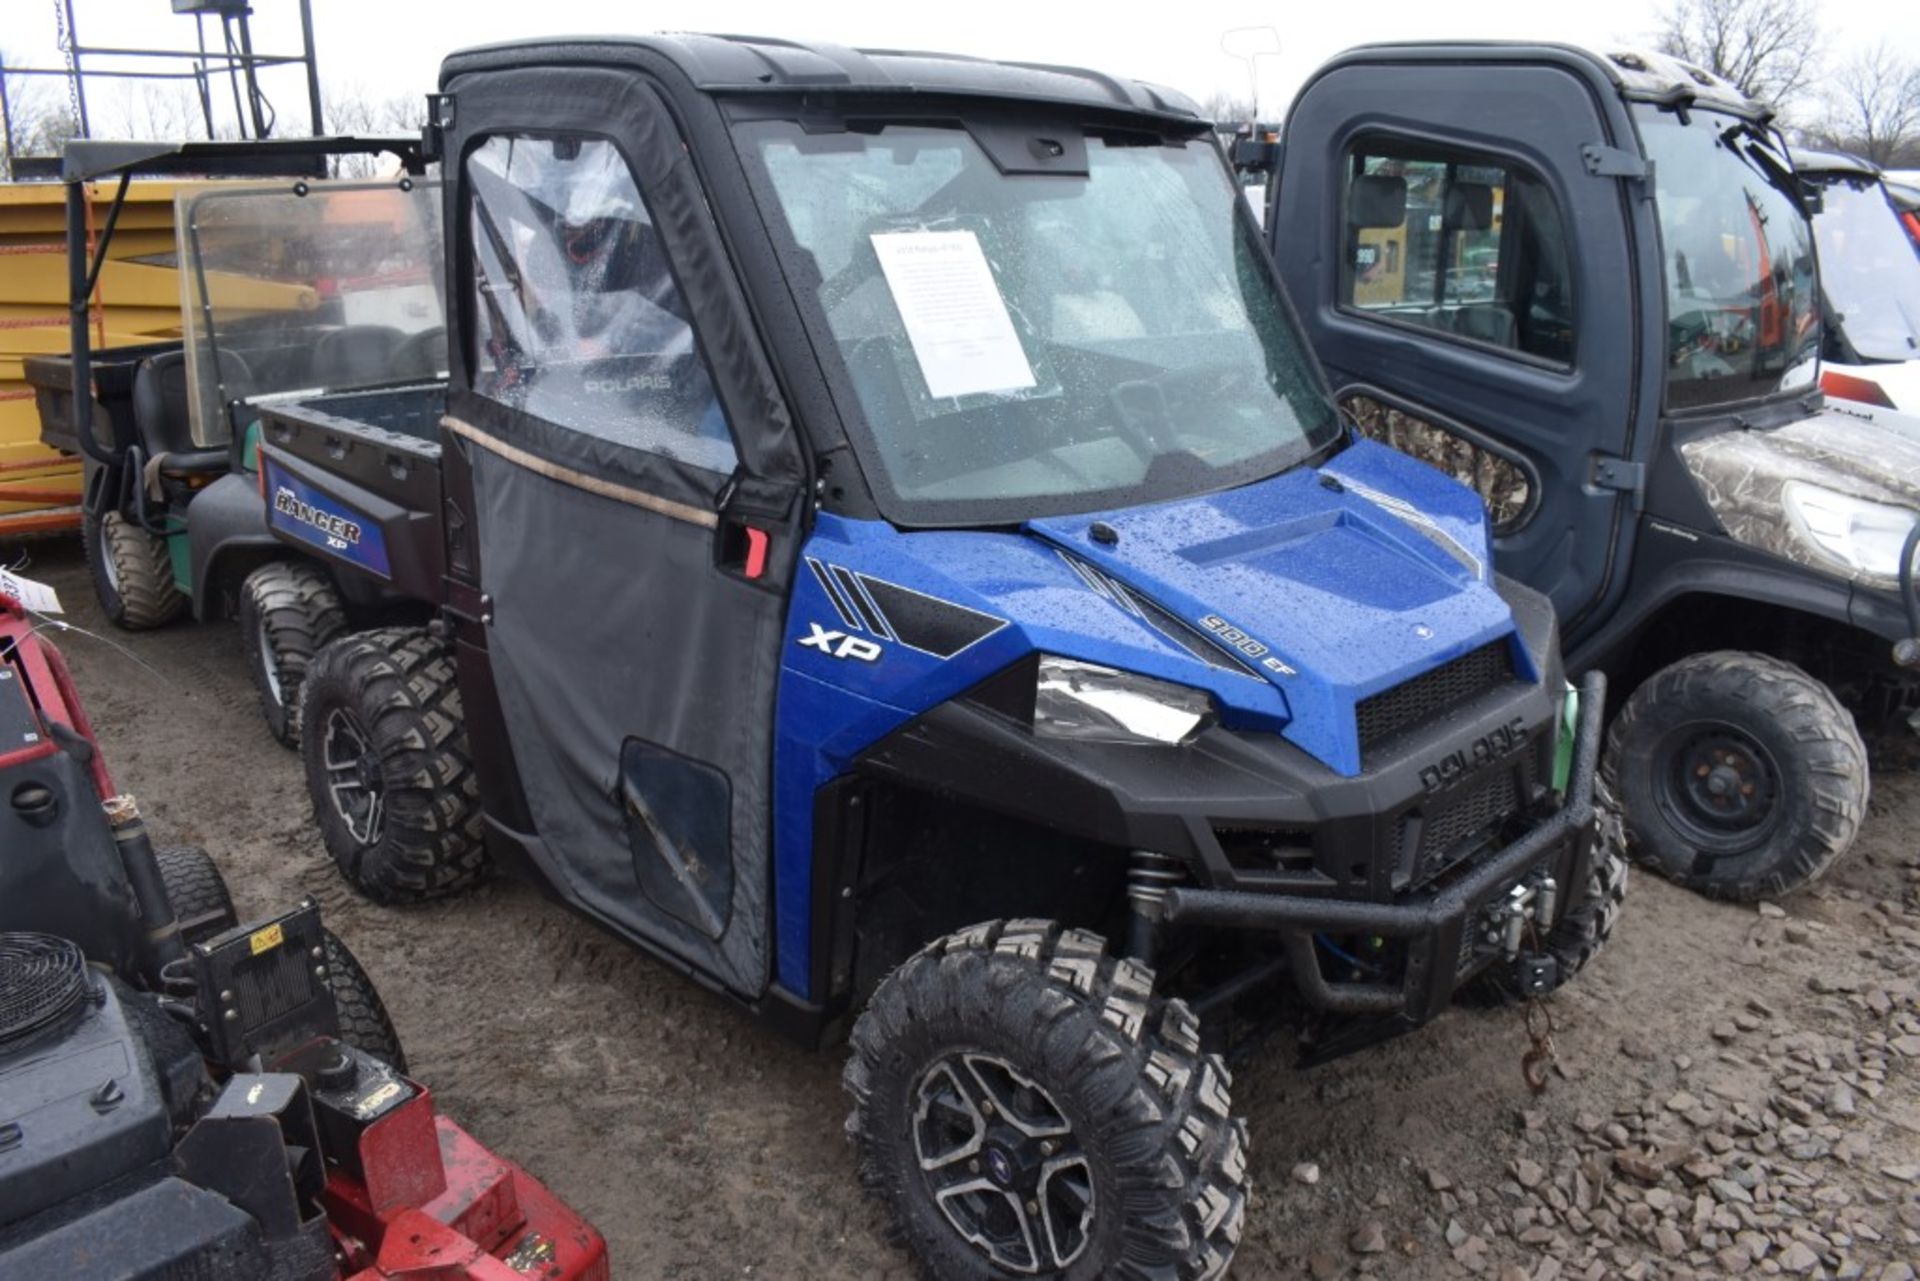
column 633, row 507
column 1468, row 280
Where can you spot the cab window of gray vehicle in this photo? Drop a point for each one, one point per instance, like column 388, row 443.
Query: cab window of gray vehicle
column 577, row 318
column 1742, row 318
column 1031, row 343
column 1459, row 244
column 1868, row 271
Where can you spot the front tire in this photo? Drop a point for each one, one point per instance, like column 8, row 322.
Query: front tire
column 132, row 573
column 388, row 768
column 196, row 891
column 1740, row 776
column 1024, row 1105
column 288, row 612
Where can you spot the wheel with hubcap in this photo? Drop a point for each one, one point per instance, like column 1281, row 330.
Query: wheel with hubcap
column 132, row 572
column 387, row 765
column 1025, row 1106
column 1740, row 776
column 288, row 612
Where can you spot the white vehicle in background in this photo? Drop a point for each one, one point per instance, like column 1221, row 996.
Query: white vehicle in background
column 1870, row 279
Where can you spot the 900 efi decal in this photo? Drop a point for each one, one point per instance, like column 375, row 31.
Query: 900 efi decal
column 1157, row 619
column 873, row 611
column 313, row 518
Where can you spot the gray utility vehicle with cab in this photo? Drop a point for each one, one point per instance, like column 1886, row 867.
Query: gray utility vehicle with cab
column 1586, row 285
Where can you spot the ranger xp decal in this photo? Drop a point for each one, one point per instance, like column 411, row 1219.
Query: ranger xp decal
column 323, row 522
column 891, row 612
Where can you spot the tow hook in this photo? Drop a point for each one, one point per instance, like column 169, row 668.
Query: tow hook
column 1526, row 904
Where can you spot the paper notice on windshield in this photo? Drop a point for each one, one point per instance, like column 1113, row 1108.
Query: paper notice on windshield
column 37, row 597
column 955, row 316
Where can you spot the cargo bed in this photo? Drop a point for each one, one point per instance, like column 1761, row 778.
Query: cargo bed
column 354, row 478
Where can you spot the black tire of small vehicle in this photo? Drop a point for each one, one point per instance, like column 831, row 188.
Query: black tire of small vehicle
column 146, row 596
column 1584, row 928
column 364, row 1021
column 399, row 684
column 292, row 605
column 1812, row 737
column 1150, row 1109
column 196, row 891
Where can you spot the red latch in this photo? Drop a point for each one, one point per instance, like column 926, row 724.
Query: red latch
column 756, row 562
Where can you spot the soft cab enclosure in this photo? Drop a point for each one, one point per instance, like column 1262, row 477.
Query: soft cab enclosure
column 884, row 515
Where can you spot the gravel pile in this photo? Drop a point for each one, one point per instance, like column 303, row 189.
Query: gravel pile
column 1758, row 1153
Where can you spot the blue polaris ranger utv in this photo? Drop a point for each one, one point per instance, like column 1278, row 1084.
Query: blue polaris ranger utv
column 894, row 557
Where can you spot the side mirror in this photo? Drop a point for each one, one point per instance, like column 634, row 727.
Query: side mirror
column 1376, row 200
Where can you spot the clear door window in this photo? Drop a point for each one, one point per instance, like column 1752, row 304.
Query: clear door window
column 1460, row 245
column 576, row 315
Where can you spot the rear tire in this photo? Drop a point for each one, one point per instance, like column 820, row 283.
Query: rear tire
column 364, row 1021
column 288, row 612
column 196, row 891
column 1739, row 776
column 388, row 768
column 1023, row 1104
column 132, row 573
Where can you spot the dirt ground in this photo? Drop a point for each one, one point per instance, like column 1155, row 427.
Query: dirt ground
column 1737, row 1089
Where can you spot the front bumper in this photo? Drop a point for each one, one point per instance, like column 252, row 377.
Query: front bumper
column 1432, row 926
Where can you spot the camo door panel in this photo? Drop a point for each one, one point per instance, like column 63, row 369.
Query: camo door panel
column 1501, row 483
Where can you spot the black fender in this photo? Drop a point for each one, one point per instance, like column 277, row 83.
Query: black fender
column 226, row 523
column 1679, row 562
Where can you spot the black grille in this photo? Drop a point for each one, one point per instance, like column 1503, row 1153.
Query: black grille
column 43, row 980
column 271, row 984
column 1411, row 703
column 1448, row 829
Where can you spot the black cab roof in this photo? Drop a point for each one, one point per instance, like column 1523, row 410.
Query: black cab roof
column 723, row 64
column 1634, row 74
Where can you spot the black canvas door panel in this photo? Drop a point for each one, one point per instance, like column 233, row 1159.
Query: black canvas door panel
column 609, row 386
column 610, row 624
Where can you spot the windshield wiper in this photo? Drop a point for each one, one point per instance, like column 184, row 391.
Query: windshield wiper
column 1758, row 149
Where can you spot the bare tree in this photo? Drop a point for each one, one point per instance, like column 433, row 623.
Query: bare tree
column 1873, row 108
column 352, row 109
column 1227, row 109
column 39, row 121
column 1769, row 48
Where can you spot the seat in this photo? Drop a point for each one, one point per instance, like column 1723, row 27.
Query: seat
column 162, row 417
column 422, row 355
column 355, row 355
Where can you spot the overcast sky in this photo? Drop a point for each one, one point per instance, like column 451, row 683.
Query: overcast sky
column 393, row 47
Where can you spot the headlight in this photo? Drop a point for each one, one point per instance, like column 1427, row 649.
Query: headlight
column 1860, row 535
column 1095, row 704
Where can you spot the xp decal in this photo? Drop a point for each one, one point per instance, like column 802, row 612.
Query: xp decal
column 892, row 612
column 840, row 645
column 313, row 518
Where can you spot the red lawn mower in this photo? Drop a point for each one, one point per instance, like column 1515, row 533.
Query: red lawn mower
column 182, row 1094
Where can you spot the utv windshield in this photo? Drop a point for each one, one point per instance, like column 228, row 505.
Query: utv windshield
column 1023, row 344
column 1742, row 321
column 1868, row 271
column 311, row 286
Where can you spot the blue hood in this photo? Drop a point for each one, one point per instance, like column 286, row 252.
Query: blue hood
column 1335, row 583
column 1290, row 600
